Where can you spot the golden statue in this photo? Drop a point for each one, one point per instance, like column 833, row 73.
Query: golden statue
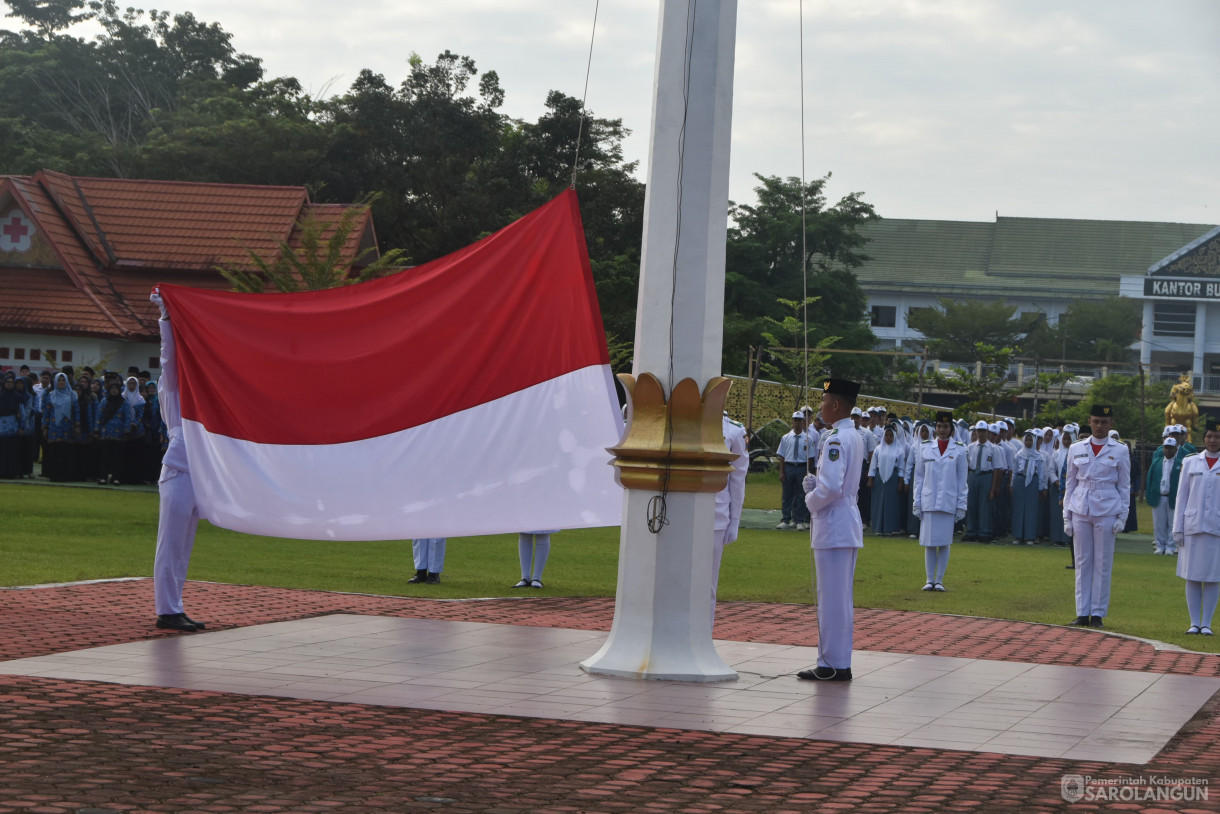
column 1183, row 410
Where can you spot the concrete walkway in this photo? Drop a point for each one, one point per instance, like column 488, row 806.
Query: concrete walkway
column 312, row 701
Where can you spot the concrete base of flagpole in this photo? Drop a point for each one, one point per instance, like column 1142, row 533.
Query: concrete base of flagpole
column 662, row 626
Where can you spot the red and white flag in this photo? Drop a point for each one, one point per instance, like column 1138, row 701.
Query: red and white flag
column 470, row 395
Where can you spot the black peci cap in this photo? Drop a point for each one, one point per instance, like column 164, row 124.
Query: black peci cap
column 1102, row 411
column 842, row 387
column 944, row 415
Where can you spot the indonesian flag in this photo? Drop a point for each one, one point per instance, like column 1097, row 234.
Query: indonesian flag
column 470, row 395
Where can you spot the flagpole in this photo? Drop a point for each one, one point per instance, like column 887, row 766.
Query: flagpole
column 673, row 453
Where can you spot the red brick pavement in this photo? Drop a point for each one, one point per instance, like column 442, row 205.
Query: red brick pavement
column 96, row 748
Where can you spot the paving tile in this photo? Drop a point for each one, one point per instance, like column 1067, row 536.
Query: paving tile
column 930, row 701
column 388, row 747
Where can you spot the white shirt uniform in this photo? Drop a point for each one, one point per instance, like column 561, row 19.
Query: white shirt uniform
column 795, row 449
column 1098, row 485
column 1096, row 499
column 837, row 534
column 729, row 500
column 1196, row 520
column 989, row 459
column 178, row 515
column 940, row 479
column 832, row 503
column 868, row 439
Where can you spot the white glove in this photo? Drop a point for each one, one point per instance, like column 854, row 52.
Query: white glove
column 1179, row 539
column 1119, row 525
column 960, row 516
column 156, row 297
column 1067, row 528
column 918, row 512
column 810, row 483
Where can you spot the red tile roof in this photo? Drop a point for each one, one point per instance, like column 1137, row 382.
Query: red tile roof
column 117, row 238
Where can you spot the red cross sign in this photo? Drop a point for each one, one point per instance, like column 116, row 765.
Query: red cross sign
column 16, row 233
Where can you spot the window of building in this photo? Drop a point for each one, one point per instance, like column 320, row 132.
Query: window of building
column 3, row 353
column 66, row 355
column 35, row 354
column 1173, row 319
column 884, row 316
column 18, row 353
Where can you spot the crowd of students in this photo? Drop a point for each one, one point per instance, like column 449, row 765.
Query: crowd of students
column 1015, row 481
column 81, row 427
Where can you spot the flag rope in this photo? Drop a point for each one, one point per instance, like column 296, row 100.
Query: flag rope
column 584, row 96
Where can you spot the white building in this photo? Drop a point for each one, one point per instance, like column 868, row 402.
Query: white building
column 1043, row 265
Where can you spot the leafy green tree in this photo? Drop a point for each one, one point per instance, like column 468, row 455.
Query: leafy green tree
column 765, row 266
column 423, row 146
column 542, row 153
column 786, row 360
column 1123, row 394
column 102, row 98
column 49, row 16
column 1092, row 330
column 983, row 392
column 954, row 331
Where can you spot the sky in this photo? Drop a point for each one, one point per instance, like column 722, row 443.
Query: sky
column 932, row 109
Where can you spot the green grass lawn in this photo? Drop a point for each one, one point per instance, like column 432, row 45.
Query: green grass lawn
column 63, row 534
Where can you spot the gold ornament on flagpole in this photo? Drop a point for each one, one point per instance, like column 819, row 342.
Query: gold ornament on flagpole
column 683, row 436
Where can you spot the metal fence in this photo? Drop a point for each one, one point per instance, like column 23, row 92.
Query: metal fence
column 1083, row 375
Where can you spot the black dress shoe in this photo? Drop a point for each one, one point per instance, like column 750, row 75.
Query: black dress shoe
column 1095, row 621
column 433, row 578
column 420, row 576
column 1079, row 621
column 1070, row 566
column 176, row 621
column 825, row 674
column 199, row 625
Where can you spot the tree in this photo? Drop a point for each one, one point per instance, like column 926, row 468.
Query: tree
column 103, row 98
column 983, row 391
column 765, row 265
column 954, row 331
column 424, row 147
column 49, row 16
column 1123, row 394
column 611, row 199
column 318, row 263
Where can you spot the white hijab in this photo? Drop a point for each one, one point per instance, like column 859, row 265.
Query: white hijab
column 889, row 455
column 132, row 397
column 1029, row 456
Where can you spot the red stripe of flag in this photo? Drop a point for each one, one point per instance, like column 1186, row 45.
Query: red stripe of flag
column 322, row 367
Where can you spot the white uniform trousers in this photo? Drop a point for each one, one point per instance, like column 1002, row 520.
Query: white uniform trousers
column 1162, row 526
column 718, row 545
column 836, row 572
column 429, row 554
column 176, row 523
column 1093, row 547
